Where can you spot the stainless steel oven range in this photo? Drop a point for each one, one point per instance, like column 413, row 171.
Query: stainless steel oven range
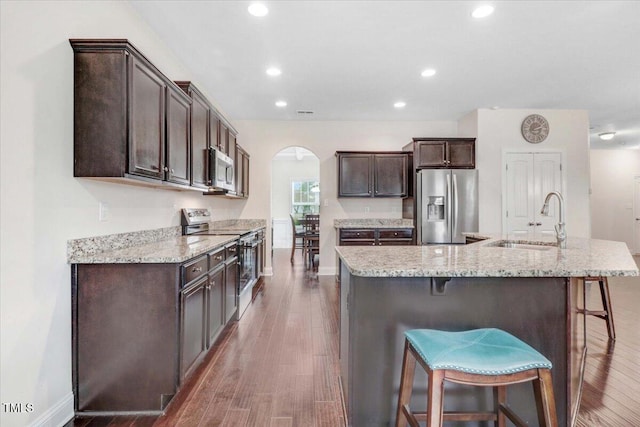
column 195, row 221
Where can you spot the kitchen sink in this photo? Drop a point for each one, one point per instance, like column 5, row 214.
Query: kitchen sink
column 515, row 244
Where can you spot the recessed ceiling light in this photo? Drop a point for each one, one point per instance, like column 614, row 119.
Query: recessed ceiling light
column 607, row 136
column 429, row 72
column 400, row 104
column 281, row 103
column 482, row 11
column 273, row 71
column 258, row 9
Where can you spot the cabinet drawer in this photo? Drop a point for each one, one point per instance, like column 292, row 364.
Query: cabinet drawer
column 194, row 269
column 358, row 242
column 357, row 234
column 231, row 250
column 216, row 258
column 399, row 233
column 395, row 242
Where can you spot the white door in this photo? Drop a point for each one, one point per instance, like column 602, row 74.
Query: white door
column 529, row 178
column 636, row 213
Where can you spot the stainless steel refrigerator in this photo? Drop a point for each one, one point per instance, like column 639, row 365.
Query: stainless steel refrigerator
column 447, row 205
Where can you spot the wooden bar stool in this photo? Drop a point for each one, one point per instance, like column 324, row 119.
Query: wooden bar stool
column 606, row 312
column 480, row 357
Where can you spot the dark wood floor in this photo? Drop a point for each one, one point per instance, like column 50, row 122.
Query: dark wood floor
column 278, row 366
column 611, row 391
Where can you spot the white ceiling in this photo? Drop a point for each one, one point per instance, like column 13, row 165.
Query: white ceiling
column 351, row 60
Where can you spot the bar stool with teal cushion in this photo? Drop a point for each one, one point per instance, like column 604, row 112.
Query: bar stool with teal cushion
column 481, row 357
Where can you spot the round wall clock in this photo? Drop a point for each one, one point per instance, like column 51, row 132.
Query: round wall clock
column 535, row 128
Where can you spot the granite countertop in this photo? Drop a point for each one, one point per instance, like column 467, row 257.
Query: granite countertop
column 373, row 223
column 162, row 245
column 176, row 250
column 540, row 258
column 240, row 225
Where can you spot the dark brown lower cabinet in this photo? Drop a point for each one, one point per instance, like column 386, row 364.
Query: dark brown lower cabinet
column 125, row 336
column 193, row 306
column 375, row 236
column 231, row 283
column 215, row 304
column 138, row 330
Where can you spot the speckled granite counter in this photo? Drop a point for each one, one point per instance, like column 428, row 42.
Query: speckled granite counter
column 582, row 257
column 162, row 245
column 242, row 225
column 373, row 223
column 176, row 250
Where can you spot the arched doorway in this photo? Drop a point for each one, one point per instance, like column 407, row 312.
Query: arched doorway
column 295, row 191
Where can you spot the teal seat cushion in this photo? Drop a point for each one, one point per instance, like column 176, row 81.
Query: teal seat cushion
column 487, row 351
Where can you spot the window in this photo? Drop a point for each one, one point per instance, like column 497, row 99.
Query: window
column 305, row 197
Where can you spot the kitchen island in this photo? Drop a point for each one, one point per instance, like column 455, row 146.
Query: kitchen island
column 529, row 288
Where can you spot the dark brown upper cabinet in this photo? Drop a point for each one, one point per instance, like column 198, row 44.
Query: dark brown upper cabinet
column 242, row 172
column 130, row 121
column 444, row 153
column 372, row 174
column 223, row 143
column 214, row 129
column 146, row 120
column 199, row 135
column 231, row 145
column 178, row 164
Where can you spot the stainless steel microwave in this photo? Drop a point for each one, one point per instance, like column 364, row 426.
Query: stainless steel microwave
column 221, row 171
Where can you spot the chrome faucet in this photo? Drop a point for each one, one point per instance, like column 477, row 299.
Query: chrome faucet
column 561, row 233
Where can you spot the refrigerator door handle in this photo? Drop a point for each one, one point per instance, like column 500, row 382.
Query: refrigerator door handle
column 454, row 201
column 449, row 210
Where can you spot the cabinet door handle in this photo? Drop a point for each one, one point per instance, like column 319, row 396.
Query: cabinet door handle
column 196, row 269
column 212, row 283
column 232, row 249
column 218, row 258
column 531, row 224
column 538, row 223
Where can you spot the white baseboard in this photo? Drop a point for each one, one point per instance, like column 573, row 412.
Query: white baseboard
column 268, row 271
column 57, row 415
column 326, row 271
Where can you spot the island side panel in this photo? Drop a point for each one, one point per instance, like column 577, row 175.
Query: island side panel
column 381, row 309
column 344, row 343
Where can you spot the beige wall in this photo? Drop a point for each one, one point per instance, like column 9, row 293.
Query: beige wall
column 612, row 187
column 37, row 178
column 498, row 131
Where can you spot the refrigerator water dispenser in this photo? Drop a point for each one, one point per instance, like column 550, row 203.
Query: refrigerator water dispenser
column 435, row 208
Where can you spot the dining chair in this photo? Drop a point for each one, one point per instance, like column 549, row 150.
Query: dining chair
column 297, row 238
column 311, row 239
